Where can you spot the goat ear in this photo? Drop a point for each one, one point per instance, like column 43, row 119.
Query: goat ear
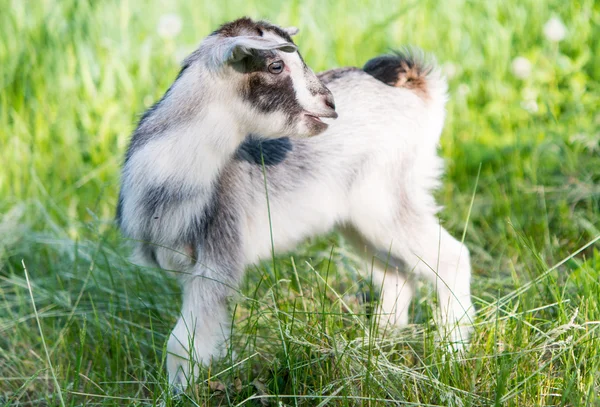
column 291, row 31
column 238, row 47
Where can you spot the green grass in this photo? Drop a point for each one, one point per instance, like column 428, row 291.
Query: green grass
column 85, row 327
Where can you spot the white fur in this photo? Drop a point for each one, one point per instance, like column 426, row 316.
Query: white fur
column 394, row 135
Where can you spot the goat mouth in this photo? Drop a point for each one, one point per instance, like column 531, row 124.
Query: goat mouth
column 317, row 117
column 314, row 118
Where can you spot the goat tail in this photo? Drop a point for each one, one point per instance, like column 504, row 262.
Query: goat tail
column 411, row 69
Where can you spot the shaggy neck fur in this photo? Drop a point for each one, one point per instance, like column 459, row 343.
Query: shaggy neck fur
column 183, row 145
column 197, row 140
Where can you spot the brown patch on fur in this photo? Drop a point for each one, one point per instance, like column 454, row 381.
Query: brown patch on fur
column 247, row 26
column 402, row 70
column 412, row 77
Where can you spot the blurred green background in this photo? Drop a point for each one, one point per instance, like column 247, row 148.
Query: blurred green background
column 521, row 141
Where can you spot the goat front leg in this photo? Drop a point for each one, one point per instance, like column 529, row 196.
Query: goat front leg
column 430, row 251
column 202, row 330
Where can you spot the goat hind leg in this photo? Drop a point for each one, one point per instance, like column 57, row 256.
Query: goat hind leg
column 396, row 294
column 387, row 275
column 430, row 251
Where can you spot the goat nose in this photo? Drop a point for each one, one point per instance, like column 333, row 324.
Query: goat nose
column 329, row 102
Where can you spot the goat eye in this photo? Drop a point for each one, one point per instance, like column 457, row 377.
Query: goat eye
column 276, row 67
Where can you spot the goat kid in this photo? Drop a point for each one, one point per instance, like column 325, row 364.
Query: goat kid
column 193, row 188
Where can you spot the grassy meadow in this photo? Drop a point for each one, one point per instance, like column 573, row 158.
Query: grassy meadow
column 81, row 325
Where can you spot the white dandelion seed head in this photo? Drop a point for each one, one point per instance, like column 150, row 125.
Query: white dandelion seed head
column 530, row 105
column 555, row 30
column 169, row 25
column 521, row 67
column 463, row 89
column 450, row 69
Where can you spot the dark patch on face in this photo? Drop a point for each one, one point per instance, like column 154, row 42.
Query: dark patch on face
column 272, row 151
column 267, row 92
column 271, row 94
column 258, row 61
column 402, row 70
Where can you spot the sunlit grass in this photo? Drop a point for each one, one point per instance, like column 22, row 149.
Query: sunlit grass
column 74, row 77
